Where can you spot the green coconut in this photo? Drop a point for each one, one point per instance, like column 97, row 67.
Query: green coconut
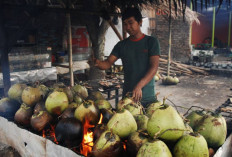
column 67, row 91
column 56, row 102
column 213, row 128
column 15, row 92
column 108, row 145
column 73, row 105
column 122, row 123
column 176, row 80
column 78, row 99
column 87, row 111
column 123, row 102
column 23, row 115
column 134, row 108
column 162, row 120
column 44, row 91
column 103, row 104
column 188, row 129
column 81, row 91
column 154, row 148
column 96, row 95
column 169, row 80
column 194, row 117
column 156, row 78
column 31, row 96
column 152, row 107
column 134, row 142
column 191, row 145
column 141, row 121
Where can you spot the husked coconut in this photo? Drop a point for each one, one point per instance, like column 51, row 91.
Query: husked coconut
column 31, row 96
column 56, row 103
column 87, row 111
column 152, row 107
column 213, row 128
column 81, row 91
column 135, row 141
column 166, row 123
column 15, row 92
column 108, row 145
column 194, row 117
column 103, row 104
column 191, row 145
column 154, row 148
column 141, row 121
column 122, row 123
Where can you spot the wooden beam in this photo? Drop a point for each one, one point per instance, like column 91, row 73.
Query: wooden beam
column 115, row 30
column 56, row 9
column 70, row 49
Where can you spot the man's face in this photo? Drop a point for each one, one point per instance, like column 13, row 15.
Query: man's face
column 132, row 26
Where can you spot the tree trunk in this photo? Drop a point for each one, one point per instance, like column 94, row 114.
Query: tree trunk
column 97, row 36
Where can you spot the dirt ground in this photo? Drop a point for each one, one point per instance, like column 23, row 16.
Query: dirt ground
column 205, row 91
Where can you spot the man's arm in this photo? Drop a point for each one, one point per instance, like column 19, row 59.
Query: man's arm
column 106, row 64
column 154, row 63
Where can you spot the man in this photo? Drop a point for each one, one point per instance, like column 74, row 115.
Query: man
column 140, row 58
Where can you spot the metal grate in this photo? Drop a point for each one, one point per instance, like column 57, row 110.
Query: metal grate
column 226, row 111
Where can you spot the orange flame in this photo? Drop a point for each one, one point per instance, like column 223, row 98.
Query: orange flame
column 87, row 142
column 100, row 121
column 43, row 134
column 124, row 145
column 50, row 133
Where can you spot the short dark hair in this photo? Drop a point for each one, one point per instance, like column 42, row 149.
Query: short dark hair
column 132, row 12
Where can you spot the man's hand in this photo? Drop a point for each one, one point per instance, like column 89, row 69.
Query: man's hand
column 137, row 94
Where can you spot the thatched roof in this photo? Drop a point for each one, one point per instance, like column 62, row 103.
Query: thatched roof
column 112, row 6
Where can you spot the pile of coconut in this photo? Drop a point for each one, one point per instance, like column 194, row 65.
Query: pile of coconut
column 158, row 130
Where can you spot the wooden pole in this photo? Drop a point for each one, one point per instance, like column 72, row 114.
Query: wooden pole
column 115, row 30
column 169, row 45
column 4, row 55
column 229, row 31
column 124, row 32
column 70, row 49
column 190, row 29
column 213, row 29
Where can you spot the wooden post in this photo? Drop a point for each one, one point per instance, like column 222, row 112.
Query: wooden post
column 4, row 55
column 229, row 31
column 169, row 45
column 190, row 29
column 123, row 32
column 70, row 49
column 213, row 29
column 115, row 30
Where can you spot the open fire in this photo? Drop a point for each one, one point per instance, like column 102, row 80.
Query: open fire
column 87, row 143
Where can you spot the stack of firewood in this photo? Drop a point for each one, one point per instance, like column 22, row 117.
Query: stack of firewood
column 177, row 68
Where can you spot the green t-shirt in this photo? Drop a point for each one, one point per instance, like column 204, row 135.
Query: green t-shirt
column 135, row 59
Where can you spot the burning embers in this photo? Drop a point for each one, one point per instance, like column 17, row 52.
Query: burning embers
column 71, row 133
column 87, row 142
